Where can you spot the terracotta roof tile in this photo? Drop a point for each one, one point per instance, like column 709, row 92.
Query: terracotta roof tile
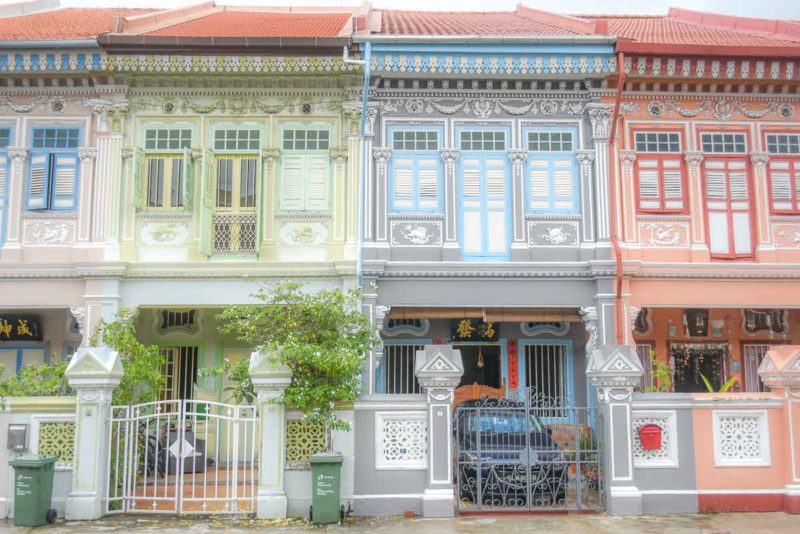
column 500, row 23
column 666, row 30
column 258, row 24
column 67, row 23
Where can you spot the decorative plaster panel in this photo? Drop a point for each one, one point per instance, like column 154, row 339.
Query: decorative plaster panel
column 302, row 440
column 786, row 235
column 303, row 234
column 562, row 234
column 664, row 234
column 741, row 438
column 401, row 440
column 48, row 232
column 164, row 233
column 416, row 233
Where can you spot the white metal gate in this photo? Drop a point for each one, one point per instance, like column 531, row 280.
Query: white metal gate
column 183, row 457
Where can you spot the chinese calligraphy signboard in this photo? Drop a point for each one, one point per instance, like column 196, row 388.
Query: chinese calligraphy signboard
column 474, row 330
column 20, row 328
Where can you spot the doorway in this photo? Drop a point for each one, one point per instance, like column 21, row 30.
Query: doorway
column 482, row 365
column 693, row 361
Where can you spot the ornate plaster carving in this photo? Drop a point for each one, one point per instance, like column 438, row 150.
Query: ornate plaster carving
column 553, row 234
column 303, row 234
column 664, row 234
column 48, row 232
column 416, row 233
column 600, row 117
column 589, row 316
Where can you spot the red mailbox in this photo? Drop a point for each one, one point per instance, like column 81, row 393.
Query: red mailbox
column 650, row 437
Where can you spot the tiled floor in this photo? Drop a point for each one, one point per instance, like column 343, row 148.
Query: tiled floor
column 593, row 523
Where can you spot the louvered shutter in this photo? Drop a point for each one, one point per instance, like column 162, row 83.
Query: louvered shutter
column 673, row 184
column 3, row 182
column 427, row 170
column 472, row 226
column 65, row 181
column 564, row 191
column 402, row 182
column 782, row 181
column 318, row 183
column 539, row 180
column 717, row 203
column 207, row 201
column 292, row 183
column 187, row 179
column 649, row 188
column 740, row 207
column 140, row 178
column 38, row 182
column 496, row 219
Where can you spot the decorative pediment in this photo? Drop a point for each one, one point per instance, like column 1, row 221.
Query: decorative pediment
column 614, row 367
column 440, row 365
column 94, row 363
column 781, row 366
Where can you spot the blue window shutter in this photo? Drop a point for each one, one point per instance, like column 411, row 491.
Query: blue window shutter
column 38, row 190
column 427, row 177
column 552, row 183
column 415, row 182
column 65, row 181
column 403, row 183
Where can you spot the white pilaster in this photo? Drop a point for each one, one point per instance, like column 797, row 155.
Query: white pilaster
column 15, row 195
column 86, row 205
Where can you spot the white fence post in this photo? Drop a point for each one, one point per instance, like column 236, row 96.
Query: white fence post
column 614, row 372
column 270, row 379
column 93, row 372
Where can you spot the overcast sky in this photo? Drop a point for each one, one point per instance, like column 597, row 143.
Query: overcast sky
column 752, row 8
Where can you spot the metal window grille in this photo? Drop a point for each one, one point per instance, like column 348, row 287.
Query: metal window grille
column 398, row 367
column 547, row 373
column 235, row 234
column 177, row 319
column 643, row 351
column 753, row 356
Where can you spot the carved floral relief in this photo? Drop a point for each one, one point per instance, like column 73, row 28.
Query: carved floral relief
column 664, row 234
column 553, row 234
column 416, row 233
column 49, row 232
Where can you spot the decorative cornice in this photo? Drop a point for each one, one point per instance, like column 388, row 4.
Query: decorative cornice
column 415, row 216
column 48, row 215
column 664, row 218
column 225, row 64
column 488, row 274
column 301, row 216
column 555, row 217
column 476, row 64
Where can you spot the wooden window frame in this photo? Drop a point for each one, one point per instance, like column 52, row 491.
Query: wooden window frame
column 661, row 156
column 791, row 159
column 751, row 208
column 416, row 155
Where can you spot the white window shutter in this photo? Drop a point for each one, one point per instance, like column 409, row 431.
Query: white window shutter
column 292, row 168
column 781, row 184
column 3, row 179
column 563, row 186
column 716, row 188
column 471, row 182
column 495, row 182
column 539, row 184
column 738, row 184
column 38, row 182
column 318, row 182
column 649, row 189
column 428, row 181
column 673, row 184
column 403, row 182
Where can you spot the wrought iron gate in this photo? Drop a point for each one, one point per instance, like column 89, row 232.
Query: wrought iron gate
column 536, row 453
column 185, row 456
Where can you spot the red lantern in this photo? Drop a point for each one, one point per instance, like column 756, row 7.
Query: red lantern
column 650, row 437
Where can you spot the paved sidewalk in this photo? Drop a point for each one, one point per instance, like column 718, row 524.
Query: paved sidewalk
column 596, row 524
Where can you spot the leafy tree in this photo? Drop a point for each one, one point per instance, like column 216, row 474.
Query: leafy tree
column 38, row 380
column 142, row 364
column 322, row 337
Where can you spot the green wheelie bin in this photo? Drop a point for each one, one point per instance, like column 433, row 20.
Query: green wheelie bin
column 326, row 470
column 33, row 490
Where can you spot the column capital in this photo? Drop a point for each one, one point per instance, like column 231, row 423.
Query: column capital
column 693, row 159
column 585, row 157
column 87, row 153
column 517, row 157
column 381, row 155
column 589, row 316
column 449, row 156
column 339, row 155
column 18, row 153
column 759, row 159
column 600, row 117
column 627, row 157
column 270, row 155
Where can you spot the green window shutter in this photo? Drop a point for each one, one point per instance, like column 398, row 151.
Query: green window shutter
column 65, row 182
column 139, row 175
column 208, row 187
column 292, row 194
column 38, row 182
column 318, row 182
column 187, row 179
